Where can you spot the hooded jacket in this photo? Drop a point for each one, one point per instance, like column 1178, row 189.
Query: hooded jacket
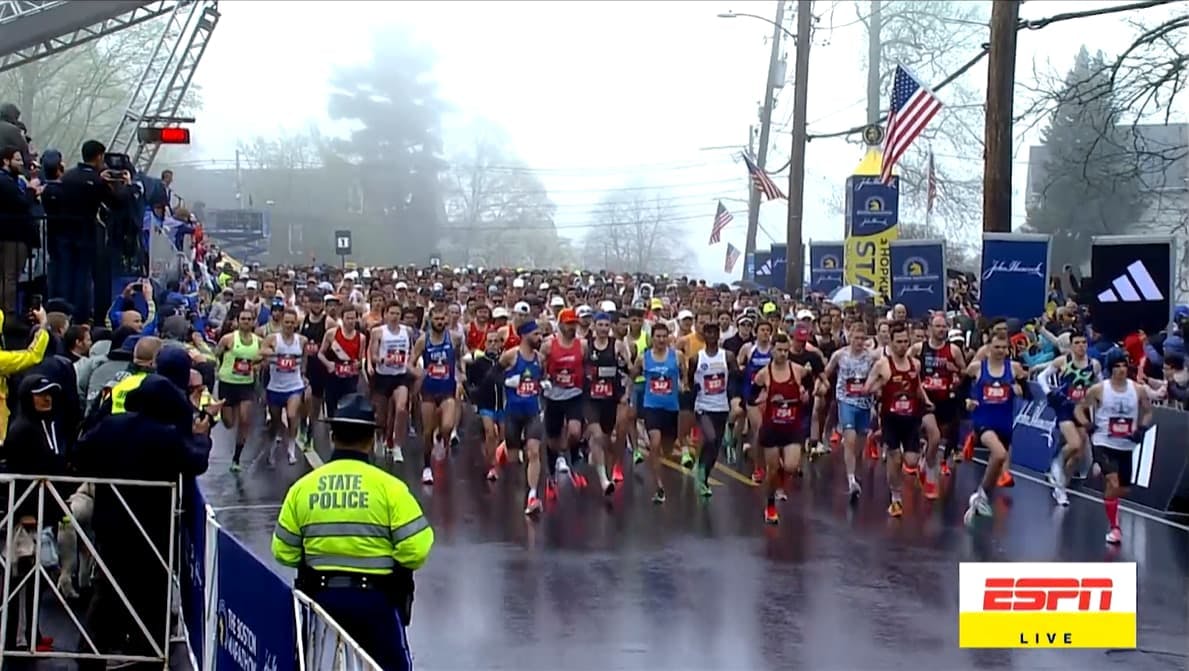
column 14, row 363
column 118, row 359
column 37, row 442
column 85, row 367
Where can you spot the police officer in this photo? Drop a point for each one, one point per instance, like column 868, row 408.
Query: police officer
column 355, row 535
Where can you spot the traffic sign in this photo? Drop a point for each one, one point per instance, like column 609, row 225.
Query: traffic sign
column 342, row 243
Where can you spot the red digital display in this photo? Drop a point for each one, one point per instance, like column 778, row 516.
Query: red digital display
column 175, row 136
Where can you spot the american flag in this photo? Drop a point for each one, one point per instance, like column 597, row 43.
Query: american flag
column 733, row 255
column 931, row 186
column 761, row 181
column 913, row 106
column 721, row 219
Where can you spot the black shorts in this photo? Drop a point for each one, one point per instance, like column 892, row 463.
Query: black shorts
column 519, row 429
column 901, row 432
column 1003, row 436
column 386, row 385
column 603, row 413
column 560, row 413
column 685, row 401
column 664, row 421
column 317, row 375
column 435, row 399
column 947, row 411
column 234, row 393
column 1115, row 461
column 773, row 436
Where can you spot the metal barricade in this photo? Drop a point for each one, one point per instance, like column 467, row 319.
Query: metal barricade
column 322, row 643
column 52, row 507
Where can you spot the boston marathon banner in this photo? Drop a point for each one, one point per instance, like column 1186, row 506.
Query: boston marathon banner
column 918, row 276
column 1015, row 279
column 1133, row 280
column 256, row 627
column 825, row 266
column 872, row 214
column 778, row 256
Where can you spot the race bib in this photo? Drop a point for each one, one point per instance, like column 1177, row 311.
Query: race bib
column 784, row 413
column 1120, row 427
column 714, row 384
column 902, row 406
column 349, row 369
column 602, row 389
column 995, row 393
column 311, row 348
column 286, row 363
column 438, row 371
column 242, row 367
column 1077, row 393
column 396, row 358
column 565, row 378
column 527, row 387
column 855, row 386
column 661, row 386
column 934, row 383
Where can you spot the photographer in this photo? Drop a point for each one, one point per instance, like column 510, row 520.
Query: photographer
column 73, row 231
column 18, row 230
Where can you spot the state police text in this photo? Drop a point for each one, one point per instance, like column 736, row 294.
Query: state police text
column 340, row 490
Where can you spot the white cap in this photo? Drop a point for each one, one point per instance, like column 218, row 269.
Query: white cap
column 401, row 286
column 684, row 314
column 252, row 284
column 805, row 314
column 353, row 275
column 243, row 273
column 367, row 273
column 557, row 302
column 517, row 283
column 584, row 311
column 437, row 286
column 544, row 287
column 326, row 286
column 500, row 312
column 521, row 308
column 956, row 335
column 607, row 306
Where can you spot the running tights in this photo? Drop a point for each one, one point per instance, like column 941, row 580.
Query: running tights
column 713, row 427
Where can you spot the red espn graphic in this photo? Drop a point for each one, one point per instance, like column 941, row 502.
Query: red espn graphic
column 1044, row 594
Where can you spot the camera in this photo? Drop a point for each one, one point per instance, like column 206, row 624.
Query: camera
column 118, row 162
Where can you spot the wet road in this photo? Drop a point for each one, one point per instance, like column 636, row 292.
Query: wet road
column 697, row 585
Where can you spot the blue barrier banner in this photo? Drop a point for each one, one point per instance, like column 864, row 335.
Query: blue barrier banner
column 778, row 257
column 918, row 276
column 1034, row 436
column 825, row 266
column 193, row 579
column 1015, row 275
column 256, row 628
column 763, row 266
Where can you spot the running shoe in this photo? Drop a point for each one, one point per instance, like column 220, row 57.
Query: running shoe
column 235, row 467
column 608, row 488
column 758, row 475
column 292, row 450
column 398, row 454
column 550, row 490
column 493, row 474
column 426, row 476
column 872, row 448
column 1006, row 480
column 704, row 489
column 532, row 506
column 561, row 465
column 578, row 480
column 770, row 514
column 501, row 453
column 687, row 459
column 896, row 509
column 930, row 489
column 968, row 448
column 945, row 467
column 617, row 473
column 854, row 490
column 659, row 496
column 835, row 438
column 1114, row 536
column 781, row 495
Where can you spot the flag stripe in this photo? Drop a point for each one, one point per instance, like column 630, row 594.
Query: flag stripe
column 762, row 181
column 722, row 217
column 732, row 257
column 913, row 107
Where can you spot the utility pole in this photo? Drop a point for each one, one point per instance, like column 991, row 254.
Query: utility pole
column 753, row 202
column 1001, row 79
column 874, row 60
column 239, row 186
column 794, row 271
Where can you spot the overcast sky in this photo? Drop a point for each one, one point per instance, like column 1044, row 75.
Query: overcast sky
column 601, row 96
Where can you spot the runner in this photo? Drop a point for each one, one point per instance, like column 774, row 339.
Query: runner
column 564, row 355
column 1121, row 411
column 285, row 353
column 637, row 342
column 313, row 328
column 478, row 329
column 392, row 380
column 994, row 384
column 437, row 353
column 803, row 353
column 903, row 401
column 523, row 373
column 851, row 366
column 342, row 355
column 239, row 354
column 664, row 377
column 781, row 433
column 689, row 344
column 488, row 397
column 1064, row 382
column 939, row 361
column 606, row 396
column 752, row 359
column 715, row 379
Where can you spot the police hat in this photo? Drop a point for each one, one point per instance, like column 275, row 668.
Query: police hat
column 353, row 409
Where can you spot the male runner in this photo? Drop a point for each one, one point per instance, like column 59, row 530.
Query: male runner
column 343, row 353
column 488, row 397
column 285, row 354
column 752, row 359
column 314, row 326
column 564, row 355
column 851, row 366
column 902, row 403
column 781, row 433
column 637, row 342
column 1121, row 411
column 523, row 373
column 993, row 385
column 438, row 353
column 939, row 360
column 664, row 377
column 1064, row 382
column 689, row 343
column 606, row 359
column 803, row 353
column 388, row 357
column 715, row 379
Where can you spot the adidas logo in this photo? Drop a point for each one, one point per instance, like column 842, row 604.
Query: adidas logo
column 1133, row 286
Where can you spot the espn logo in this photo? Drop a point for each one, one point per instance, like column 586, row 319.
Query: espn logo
column 1043, row 605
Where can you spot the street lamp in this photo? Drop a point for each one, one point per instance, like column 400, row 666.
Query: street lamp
column 733, row 15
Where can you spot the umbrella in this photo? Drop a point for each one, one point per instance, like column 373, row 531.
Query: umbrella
column 851, row 293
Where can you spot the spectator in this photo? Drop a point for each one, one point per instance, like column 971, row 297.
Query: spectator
column 117, row 360
column 18, row 230
column 135, row 308
column 77, row 343
column 13, row 363
column 12, row 132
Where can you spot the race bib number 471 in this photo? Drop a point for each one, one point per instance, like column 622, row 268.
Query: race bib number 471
column 1046, row 605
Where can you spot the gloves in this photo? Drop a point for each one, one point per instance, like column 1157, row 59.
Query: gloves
column 546, row 385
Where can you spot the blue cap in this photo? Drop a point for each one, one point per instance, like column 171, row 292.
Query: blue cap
column 526, row 328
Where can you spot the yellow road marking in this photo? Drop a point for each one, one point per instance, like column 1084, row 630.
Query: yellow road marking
column 681, row 469
column 735, row 475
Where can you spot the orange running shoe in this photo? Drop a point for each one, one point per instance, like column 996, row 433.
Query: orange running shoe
column 835, row 438
column 770, row 514
column 1006, row 480
column 550, row 490
column 945, row 467
column 896, row 509
column 758, row 475
column 968, row 448
column 617, row 473
column 910, row 470
column 577, row 479
column 532, row 506
column 501, row 453
column 872, row 447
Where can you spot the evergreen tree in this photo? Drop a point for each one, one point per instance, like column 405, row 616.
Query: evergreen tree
column 1091, row 185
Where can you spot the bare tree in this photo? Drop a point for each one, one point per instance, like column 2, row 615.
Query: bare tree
column 635, row 232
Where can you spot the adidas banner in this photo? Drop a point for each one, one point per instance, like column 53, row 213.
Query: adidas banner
column 778, row 260
column 918, row 275
column 763, row 268
column 1131, row 280
column 825, row 266
column 1015, row 279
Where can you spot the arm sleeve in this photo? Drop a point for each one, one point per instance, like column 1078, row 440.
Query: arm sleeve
column 286, row 536
column 12, row 363
column 412, row 537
